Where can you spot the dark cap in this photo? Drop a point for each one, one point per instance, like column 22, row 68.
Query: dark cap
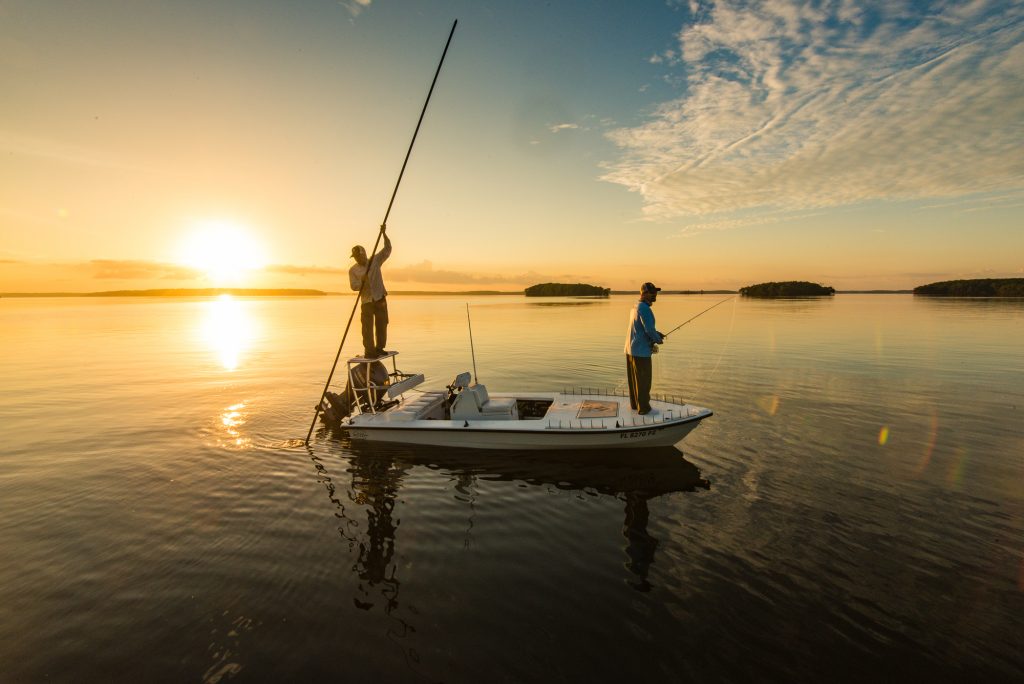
column 649, row 288
column 357, row 249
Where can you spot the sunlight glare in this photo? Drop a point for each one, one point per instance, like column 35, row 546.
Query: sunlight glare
column 228, row 330
column 225, row 251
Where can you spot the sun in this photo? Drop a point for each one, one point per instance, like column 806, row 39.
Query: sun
column 226, row 252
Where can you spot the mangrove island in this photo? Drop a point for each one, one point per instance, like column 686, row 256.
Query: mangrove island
column 981, row 287
column 566, row 290
column 790, row 288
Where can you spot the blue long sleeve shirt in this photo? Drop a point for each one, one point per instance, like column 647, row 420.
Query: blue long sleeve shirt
column 641, row 333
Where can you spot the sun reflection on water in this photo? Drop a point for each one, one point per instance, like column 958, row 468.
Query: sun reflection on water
column 233, row 418
column 228, row 330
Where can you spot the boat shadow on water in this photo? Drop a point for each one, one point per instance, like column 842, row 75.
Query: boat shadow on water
column 365, row 494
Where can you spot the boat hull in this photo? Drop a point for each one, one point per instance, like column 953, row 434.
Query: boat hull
column 558, row 430
column 482, row 437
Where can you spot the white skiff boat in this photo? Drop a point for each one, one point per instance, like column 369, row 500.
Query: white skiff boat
column 388, row 407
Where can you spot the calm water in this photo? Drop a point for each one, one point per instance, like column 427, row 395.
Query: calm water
column 855, row 508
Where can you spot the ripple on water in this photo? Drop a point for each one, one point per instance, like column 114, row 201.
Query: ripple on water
column 863, row 515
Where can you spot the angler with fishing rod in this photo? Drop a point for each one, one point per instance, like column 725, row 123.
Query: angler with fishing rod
column 641, row 342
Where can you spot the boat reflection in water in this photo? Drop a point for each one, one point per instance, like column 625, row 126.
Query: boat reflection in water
column 377, row 472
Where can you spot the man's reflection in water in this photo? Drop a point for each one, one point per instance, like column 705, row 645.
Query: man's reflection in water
column 640, row 545
column 375, row 484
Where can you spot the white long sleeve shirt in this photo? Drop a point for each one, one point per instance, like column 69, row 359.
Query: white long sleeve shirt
column 374, row 290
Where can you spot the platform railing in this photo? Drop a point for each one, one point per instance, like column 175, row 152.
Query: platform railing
column 605, row 392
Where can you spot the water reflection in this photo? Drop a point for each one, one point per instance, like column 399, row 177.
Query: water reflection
column 377, row 473
column 632, row 477
column 375, row 485
column 232, row 419
column 227, row 329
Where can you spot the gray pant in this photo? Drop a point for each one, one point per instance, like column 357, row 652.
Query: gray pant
column 638, row 376
column 374, row 317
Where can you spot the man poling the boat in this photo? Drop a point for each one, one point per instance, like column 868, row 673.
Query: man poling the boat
column 642, row 339
column 365, row 278
column 383, row 228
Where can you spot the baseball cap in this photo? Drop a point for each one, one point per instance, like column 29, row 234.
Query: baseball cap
column 649, row 288
column 358, row 249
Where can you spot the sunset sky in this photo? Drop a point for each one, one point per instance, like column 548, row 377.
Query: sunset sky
column 178, row 143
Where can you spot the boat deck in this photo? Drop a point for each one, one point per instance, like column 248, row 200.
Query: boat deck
column 529, row 420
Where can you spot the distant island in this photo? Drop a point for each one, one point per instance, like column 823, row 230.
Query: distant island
column 789, row 288
column 566, row 290
column 982, row 287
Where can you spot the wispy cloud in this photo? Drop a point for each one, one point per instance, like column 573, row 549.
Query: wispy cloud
column 556, row 128
column 27, row 145
column 731, row 222
column 306, row 270
column 792, row 106
column 111, row 269
column 355, row 7
column 425, row 272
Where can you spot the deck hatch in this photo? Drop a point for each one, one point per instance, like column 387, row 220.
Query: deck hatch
column 592, row 408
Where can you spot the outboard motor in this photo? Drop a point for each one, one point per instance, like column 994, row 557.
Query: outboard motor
column 336, row 407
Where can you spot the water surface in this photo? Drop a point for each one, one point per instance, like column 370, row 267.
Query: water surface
column 855, row 506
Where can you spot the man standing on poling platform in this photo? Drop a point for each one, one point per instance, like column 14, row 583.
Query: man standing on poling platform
column 641, row 341
column 373, row 313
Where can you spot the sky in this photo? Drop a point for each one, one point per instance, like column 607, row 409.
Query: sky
column 698, row 145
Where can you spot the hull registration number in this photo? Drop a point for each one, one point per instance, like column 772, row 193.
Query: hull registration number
column 634, row 435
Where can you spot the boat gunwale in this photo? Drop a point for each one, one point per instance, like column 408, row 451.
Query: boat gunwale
column 405, row 426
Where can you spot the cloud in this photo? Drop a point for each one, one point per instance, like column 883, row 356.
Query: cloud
column 424, row 272
column 562, row 127
column 15, row 143
column 110, row 269
column 306, row 270
column 790, row 106
column 759, row 219
column 355, row 6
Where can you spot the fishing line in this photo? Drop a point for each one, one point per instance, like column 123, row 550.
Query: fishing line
column 697, row 316
column 721, row 354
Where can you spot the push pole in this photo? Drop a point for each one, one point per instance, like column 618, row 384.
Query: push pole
column 383, row 227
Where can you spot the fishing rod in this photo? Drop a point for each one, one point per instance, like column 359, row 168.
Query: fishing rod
column 383, row 227
column 697, row 316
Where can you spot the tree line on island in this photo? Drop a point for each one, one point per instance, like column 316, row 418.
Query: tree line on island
column 980, row 287
column 789, row 288
column 566, row 290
